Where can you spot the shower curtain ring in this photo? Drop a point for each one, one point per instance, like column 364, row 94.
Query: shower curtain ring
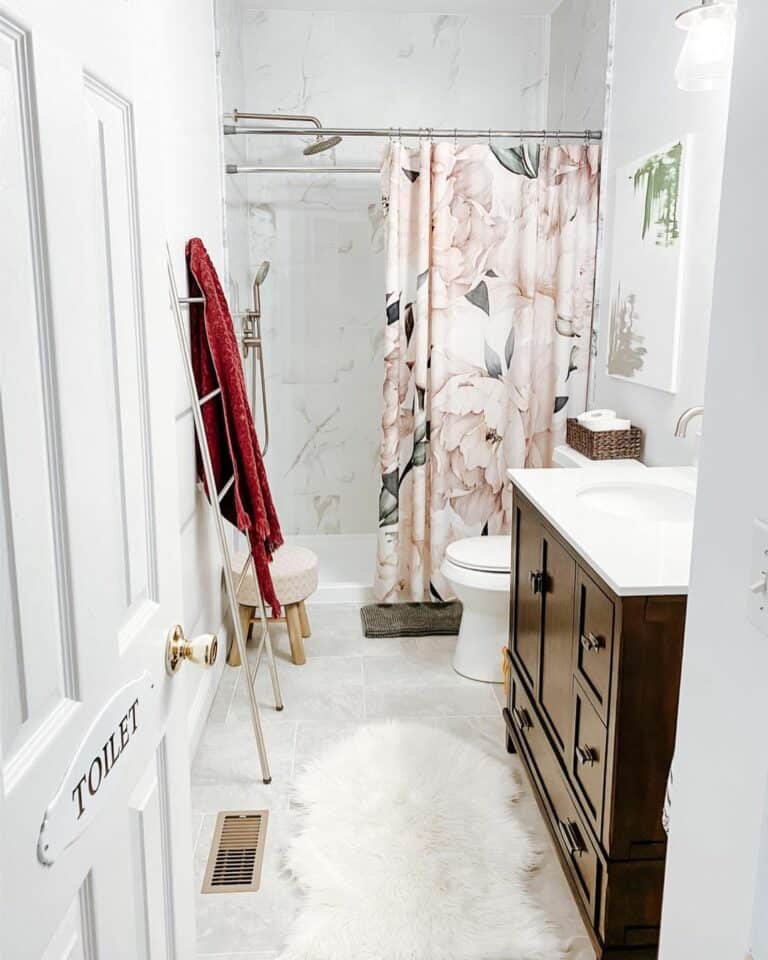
column 455, row 138
column 489, row 138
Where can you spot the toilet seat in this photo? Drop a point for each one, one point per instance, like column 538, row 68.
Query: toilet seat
column 482, row 563
column 483, row 554
column 477, row 579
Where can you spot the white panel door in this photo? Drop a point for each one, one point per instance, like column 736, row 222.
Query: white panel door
column 89, row 564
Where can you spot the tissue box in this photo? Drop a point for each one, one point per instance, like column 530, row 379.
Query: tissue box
column 605, row 444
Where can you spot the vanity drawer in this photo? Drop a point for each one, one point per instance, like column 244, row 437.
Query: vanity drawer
column 525, row 718
column 575, row 842
column 567, row 824
column 588, row 755
column 595, row 641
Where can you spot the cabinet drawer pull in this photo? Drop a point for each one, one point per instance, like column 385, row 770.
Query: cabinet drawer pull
column 586, row 756
column 536, row 578
column 521, row 718
column 591, row 642
column 570, row 833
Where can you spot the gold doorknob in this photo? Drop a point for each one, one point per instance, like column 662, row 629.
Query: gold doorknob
column 201, row 650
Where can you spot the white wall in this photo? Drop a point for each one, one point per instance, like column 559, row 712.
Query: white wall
column 190, row 160
column 648, row 112
column 758, row 940
column 722, row 756
column 324, row 297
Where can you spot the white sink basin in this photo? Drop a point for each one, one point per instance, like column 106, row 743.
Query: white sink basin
column 650, row 502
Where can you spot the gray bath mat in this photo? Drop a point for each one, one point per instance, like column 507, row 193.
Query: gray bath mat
column 411, row 619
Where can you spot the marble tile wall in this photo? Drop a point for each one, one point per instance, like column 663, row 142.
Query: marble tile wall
column 580, row 68
column 323, row 298
column 231, row 75
column 577, row 64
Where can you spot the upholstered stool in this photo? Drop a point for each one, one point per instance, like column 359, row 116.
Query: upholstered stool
column 294, row 574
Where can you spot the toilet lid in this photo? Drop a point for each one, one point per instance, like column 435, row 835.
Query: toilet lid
column 491, row 554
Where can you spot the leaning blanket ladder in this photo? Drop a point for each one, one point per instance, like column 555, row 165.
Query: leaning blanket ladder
column 265, row 644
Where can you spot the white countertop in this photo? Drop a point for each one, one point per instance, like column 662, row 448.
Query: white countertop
column 635, row 558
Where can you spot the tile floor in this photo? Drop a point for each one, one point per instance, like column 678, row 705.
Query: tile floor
column 347, row 680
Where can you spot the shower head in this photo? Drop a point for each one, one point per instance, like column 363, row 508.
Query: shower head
column 320, row 145
column 261, row 273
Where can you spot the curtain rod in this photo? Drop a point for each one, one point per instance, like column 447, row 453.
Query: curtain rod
column 307, row 168
column 435, row 134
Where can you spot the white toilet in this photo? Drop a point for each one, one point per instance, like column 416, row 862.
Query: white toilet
column 478, row 570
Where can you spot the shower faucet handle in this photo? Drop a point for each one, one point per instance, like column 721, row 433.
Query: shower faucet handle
column 249, row 336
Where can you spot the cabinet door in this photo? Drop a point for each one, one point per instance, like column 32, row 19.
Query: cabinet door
column 528, row 583
column 595, row 633
column 555, row 693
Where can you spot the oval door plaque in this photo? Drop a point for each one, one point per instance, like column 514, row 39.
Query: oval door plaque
column 97, row 772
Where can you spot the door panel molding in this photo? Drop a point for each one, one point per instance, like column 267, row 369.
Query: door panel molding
column 36, row 745
column 74, row 939
column 88, row 919
column 169, row 909
column 15, row 699
column 23, row 129
column 125, row 303
column 150, row 842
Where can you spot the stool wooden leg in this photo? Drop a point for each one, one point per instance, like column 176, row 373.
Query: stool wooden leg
column 304, row 620
column 293, row 619
column 246, row 615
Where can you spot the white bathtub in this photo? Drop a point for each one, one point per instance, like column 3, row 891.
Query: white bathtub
column 347, row 562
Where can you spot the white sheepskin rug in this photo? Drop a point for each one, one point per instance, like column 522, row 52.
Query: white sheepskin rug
column 410, row 849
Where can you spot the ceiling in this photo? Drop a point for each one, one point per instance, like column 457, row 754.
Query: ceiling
column 455, row 7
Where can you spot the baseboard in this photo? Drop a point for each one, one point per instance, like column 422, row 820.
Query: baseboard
column 207, row 686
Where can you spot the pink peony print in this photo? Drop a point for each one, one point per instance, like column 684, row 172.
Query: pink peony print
column 495, row 253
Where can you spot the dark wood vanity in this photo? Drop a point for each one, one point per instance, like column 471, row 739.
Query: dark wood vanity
column 591, row 711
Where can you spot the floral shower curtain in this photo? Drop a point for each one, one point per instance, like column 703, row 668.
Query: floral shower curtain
column 490, row 265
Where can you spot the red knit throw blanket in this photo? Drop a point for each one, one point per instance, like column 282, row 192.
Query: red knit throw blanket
column 227, row 419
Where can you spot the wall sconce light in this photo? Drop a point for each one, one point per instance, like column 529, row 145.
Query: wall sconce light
column 707, row 55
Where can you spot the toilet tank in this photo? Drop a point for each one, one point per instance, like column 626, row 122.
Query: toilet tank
column 566, row 457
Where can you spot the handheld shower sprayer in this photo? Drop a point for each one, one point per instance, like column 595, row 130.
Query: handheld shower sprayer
column 251, row 340
column 261, row 273
column 261, row 276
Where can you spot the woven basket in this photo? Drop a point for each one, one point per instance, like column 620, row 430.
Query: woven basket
column 605, row 444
